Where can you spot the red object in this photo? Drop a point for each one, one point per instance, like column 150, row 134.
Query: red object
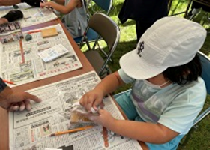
column 9, row 82
column 31, row 32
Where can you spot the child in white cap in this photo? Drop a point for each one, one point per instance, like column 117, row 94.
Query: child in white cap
column 167, row 93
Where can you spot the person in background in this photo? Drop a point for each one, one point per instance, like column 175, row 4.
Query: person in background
column 144, row 12
column 167, row 93
column 75, row 18
column 10, row 98
column 15, row 100
column 34, row 3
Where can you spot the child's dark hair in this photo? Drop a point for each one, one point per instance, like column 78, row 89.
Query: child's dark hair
column 185, row 73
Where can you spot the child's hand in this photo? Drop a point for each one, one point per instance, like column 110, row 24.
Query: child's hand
column 104, row 118
column 3, row 20
column 91, row 99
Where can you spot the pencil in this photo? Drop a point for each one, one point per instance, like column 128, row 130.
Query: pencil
column 21, row 51
column 71, row 131
column 9, row 82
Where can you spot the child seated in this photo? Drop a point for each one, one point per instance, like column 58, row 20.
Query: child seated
column 75, row 18
column 167, row 93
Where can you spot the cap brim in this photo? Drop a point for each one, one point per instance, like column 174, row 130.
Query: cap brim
column 137, row 67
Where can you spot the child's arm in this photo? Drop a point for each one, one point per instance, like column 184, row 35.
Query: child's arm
column 142, row 131
column 110, row 83
column 106, row 86
column 63, row 9
column 60, row 2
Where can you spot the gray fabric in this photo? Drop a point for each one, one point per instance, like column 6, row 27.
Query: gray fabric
column 76, row 20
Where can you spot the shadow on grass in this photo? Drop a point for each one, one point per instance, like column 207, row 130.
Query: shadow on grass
column 128, row 23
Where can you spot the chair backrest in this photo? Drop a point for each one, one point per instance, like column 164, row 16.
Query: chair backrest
column 106, row 5
column 205, row 62
column 105, row 28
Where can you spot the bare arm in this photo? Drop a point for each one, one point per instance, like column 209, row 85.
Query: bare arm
column 63, row 9
column 110, row 83
column 143, row 131
column 9, row 2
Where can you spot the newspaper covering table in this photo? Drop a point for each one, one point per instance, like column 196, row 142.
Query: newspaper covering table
column 32, row 15
column 31, row 130
column 23, row 66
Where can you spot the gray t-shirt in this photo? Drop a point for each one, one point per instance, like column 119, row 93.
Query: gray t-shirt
column 174, row 106
column 76, row 20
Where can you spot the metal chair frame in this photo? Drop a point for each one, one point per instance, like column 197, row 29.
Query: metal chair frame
column 111, row 47
column 85, row 36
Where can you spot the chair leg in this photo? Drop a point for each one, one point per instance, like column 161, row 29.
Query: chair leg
column 81, row 42
column 208, row 21
column 188, row 7
column 169, row 5
column 201, row 116
column 88, row 44
column 96, row 43
column 195, row 12
column 105, row 72
column 101, row 49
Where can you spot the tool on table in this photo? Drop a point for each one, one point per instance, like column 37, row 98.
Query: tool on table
column 71, row 131
column 9, row 82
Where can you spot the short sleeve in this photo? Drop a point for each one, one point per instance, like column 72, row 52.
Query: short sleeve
column 125, row 77
column 179, row 116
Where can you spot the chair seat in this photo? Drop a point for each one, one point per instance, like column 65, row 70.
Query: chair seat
column 91, row 35
column 93, row 56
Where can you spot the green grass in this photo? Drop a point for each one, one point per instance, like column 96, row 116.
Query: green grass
column 199, row 140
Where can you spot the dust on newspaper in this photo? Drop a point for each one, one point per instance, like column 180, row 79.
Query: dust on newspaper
column 31, row 130
column 13, row 68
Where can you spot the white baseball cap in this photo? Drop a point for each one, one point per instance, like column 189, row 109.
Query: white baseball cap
column 171, row 41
